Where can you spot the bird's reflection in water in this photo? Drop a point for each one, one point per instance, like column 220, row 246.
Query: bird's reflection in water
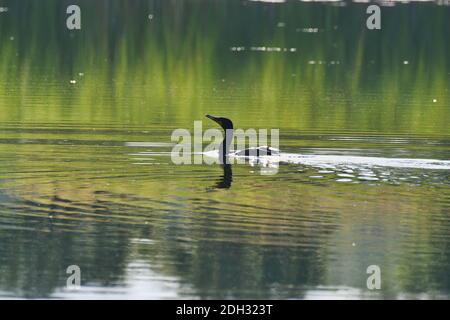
column 226, row 179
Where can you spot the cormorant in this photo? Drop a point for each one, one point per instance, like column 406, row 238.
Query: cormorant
column 224, row 149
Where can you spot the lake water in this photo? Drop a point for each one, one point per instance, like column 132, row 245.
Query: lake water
column 86, row 176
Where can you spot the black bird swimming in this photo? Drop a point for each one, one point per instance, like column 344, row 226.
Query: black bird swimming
column 224, row 149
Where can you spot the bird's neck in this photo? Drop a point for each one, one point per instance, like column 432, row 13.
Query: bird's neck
column 225, row 145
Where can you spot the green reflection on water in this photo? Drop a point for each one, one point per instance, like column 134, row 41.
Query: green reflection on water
column 174, row 67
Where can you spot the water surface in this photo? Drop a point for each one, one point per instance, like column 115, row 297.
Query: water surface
column 86, row 176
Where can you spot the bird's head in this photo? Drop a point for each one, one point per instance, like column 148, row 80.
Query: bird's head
column 225, row 123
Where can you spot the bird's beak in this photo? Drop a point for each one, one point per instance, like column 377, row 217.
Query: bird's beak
column 212, row 118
